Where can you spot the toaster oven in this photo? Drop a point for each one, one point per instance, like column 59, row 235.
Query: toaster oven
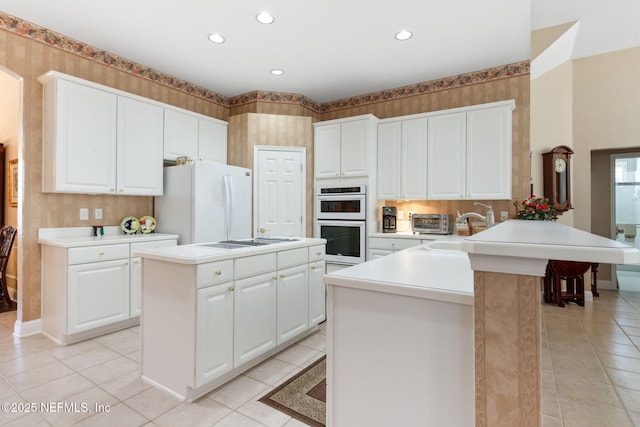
column 432, row 223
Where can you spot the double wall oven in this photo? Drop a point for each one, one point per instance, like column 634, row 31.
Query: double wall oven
column 341, row 220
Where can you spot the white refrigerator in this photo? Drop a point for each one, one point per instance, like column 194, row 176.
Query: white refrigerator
column 205, row 202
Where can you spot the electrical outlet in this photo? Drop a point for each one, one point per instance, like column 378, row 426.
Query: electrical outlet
column 504, row 215
column 410, row 214
column 97, row 213
column 84, row 214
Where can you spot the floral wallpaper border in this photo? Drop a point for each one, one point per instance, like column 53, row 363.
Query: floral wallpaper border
column 26, row 29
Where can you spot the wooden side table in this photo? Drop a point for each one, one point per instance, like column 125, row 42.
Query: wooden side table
column 573, row 274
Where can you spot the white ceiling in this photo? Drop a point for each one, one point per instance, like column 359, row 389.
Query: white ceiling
column 604, row 26
column 329, row 49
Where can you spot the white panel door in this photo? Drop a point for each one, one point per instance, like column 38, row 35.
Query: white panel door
column 293, row 302
column 140, row 147
column 389, row 160
column 86, row 149
column 354, row 146
column 280, row 193
column 254, row 319
column 98, row 294
column 446, row 157
column 214, row 332
column 414, row 159
column 489, row 153
column 326, row 141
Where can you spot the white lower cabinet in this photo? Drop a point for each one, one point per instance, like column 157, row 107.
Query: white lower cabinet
column 214, row 337
column 293, row 302
column 383, row 246
column 254, row 319
column 92, row 289
column 317, row 293
column 98, row 294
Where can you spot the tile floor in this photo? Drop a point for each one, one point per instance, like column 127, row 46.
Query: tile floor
column 105, row 371
column 590, row 375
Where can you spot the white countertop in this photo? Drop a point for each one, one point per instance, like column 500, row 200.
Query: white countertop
column 197, row 254
column 442, row 275
column 70, row 237
column 548, row 240
column 410, row 235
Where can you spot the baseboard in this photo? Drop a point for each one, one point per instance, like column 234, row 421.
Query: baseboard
column 606, row 284
column 25, row 329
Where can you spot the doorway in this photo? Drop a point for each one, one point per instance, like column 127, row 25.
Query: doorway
column 625, row 215
column 280, row 190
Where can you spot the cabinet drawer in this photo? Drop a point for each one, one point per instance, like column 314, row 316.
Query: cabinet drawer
column 141, row 246
column 317, row 253
column 254, row 265
column 392, row 244
column 293, row 257
column 214, row 273
column 98, row 253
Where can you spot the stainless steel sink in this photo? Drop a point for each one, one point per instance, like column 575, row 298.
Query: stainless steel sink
column 237, row 244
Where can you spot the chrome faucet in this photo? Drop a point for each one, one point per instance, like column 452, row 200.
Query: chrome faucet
column 491, row 220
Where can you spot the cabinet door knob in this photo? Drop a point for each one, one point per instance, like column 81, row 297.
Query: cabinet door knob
column 126, row 263
column 314, row 268
column 112, row 190
column 232, row 288
column 318, row 253
column 100, row 253
column 137, row 262
column 282, row 276
column 275, row 278
column 218, row 272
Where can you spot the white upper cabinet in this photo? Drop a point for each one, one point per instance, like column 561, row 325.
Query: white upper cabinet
column 343, row 148
column 100, row 140
column 139, row 147
column 79, row 138
column 180, row 135
column 402, row 160
column 489, row 153
column 191, row 135
column 470, row 154
column 212, row 140
column 447, row 156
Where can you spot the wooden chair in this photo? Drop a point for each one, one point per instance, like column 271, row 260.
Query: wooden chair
column 7, row 235
column 573, row 274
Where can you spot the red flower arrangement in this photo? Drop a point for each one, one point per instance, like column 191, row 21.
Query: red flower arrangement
column 537, row 208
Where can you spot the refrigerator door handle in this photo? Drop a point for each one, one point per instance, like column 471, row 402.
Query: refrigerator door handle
column 228, row 200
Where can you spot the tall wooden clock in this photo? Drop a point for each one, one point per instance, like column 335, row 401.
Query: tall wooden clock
column 557, row 178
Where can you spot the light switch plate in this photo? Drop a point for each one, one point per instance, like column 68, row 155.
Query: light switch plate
column 84, row 214
column 504, row 215
column 97, row 213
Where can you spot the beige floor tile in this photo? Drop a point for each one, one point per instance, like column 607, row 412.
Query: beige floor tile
column 617, row 349
column 153, row 402
column 271, row 371
column 67, row 351
column 295, row 423
column 620, row 362
column 297, row 354
column 586, row 415
column 626, row 379
column 91, row 358
column 114, row 337
column 126, row 386
column 316, row 342
column 59, row 389
column 236, row 419
column 28, row 420
column 550, row 421
column 585, row 392
column 264, row 414
column 80, row 407
column 38, row 376
column 108, row 370
column 630, row 398
column 635, row 417
column 201, row 413
column 238, row 391
column 119, row 415
column 125, row 345
column 21, row 364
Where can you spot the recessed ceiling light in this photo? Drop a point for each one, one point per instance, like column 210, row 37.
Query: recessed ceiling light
column 216, row 38
column 264, row 18
column 404, row 35
column 277, row 72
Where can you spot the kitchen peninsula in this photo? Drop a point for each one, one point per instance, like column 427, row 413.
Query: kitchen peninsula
column 507, row 262
column 212, row 311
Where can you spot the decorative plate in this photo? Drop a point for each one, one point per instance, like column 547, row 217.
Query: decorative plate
column 130, row 225
column 147, row 224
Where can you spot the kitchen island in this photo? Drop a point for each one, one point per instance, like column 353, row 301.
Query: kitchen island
column 507, row 262
column 213, row 311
